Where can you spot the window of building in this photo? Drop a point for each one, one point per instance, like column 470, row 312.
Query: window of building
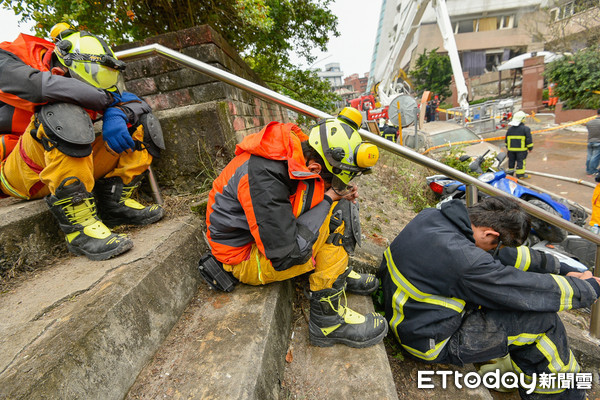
column 563, row 11
column 464, row 26
column 485, row 24
column 506, row 22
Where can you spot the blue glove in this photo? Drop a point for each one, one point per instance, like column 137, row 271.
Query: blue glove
column 123, row 98
column 114, row 130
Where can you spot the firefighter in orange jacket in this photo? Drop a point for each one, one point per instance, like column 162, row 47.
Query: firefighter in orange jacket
column 269, row 218
column 48, row 147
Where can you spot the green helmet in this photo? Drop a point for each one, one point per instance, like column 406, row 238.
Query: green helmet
column 339, row 143
column 88, row 59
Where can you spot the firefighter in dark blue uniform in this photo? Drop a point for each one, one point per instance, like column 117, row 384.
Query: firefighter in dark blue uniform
column 518, row 143
column 454, row 295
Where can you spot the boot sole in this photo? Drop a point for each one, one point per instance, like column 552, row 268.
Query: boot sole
column 101, row 256
column 328, row 342
column 362, row 292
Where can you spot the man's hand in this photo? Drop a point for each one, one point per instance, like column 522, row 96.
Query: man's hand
column 350, row 194
column 584, row 275
column 114, row 130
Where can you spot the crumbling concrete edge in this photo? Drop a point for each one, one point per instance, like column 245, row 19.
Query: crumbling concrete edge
column 98, row 351
column 272, row 366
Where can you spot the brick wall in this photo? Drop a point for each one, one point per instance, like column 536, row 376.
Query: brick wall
column 202, row 118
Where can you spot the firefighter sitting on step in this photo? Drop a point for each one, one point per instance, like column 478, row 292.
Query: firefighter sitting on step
column 518, row 143
column 454, row 295
column 49, row 94
column 283, row 207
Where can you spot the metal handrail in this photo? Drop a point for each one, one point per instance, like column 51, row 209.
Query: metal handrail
column 473, row 184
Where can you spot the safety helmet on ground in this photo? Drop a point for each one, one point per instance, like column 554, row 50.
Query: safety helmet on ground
column 518, row 118
column 87, row 57
column 339, row 143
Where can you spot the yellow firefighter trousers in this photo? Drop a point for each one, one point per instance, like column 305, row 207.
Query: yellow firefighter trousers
column 19, row 179
column 327, row 263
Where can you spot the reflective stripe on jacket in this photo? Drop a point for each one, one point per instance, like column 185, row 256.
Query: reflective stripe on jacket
column 518, row 138
column 266, row 195
column 433, row 272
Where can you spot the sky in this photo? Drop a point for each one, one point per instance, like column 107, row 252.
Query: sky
column 9, row 28
column 353, row 49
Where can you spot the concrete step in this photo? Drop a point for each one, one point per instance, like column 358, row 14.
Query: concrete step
column 336, row 372
column 235, row 346
column 225, row 346
column 83, row 329
column 29, row 235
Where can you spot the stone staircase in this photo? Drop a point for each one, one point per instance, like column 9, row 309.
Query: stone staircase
column 145, row 326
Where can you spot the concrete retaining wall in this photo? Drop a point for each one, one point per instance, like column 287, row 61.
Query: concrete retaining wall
column 202, row 118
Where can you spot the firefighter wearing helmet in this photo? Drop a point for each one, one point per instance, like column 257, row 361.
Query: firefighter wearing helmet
column 285, row 206
column 50, row 92
column 518, row 144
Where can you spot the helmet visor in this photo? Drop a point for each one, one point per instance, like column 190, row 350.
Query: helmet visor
column 94, row 74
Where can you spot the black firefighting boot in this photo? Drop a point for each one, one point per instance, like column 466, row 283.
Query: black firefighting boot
column 331, row 321
column 74, row 208
column 363, row 284
column 116, row 207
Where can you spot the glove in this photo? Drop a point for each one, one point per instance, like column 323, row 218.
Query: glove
column 123, row 98
column 114, row 130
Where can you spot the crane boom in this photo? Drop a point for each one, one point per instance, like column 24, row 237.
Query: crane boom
column 408, row 20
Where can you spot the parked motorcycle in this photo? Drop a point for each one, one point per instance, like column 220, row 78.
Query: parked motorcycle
column 448, row 188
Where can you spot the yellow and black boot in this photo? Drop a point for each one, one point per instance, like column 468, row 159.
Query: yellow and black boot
column 363, row 284
column 74, row 208
column 116, row 207
column 331, row 321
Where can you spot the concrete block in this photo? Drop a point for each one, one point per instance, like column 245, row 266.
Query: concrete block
column 337, row 372
column 226, row 346
column 28, row 235
column 85, row 329
column 200, row 141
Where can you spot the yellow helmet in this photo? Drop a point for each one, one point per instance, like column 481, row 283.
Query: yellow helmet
column 339, row 143
column 87, row 57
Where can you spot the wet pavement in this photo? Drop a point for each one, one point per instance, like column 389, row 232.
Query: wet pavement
column 559, row 152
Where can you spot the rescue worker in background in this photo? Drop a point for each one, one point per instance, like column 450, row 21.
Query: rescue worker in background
column 518, row 143
column 50, row 93
column 454, row 295
column 390, row 132
column 283, row 207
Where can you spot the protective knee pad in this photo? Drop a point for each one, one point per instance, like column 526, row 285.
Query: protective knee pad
column 68, row 128
column 154, row 141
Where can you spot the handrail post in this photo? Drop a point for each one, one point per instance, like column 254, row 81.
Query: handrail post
column 595, row 318
column 472, row 193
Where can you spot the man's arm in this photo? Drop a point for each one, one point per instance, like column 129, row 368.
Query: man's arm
column 25, row 87
column 528, row 139
column 284, row 239
column 490, row 284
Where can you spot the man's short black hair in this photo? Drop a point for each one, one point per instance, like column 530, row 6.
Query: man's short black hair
column 505, row 216
column 598, row 111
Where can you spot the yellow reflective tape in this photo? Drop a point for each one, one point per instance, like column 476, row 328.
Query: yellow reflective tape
column 523, row 339
column 523, row 261
column 259, row 271
column 430, row 354
column 566, row 292
column 7, row 185
column 452, row 303
column 398, row 299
